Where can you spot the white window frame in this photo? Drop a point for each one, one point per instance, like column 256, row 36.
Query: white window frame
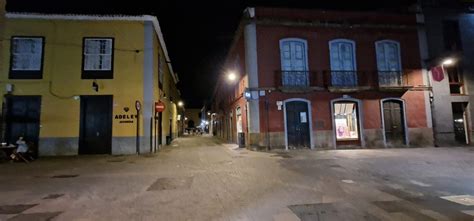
column 13, row 54
column 111, row 54
column 377, row 43
column 343, row 40
column 305, row 43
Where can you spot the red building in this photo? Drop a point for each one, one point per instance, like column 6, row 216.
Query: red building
column 324, row 79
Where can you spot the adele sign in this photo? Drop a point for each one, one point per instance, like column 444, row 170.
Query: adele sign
column 125, row 118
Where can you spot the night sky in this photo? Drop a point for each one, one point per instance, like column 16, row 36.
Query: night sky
column 197, row 33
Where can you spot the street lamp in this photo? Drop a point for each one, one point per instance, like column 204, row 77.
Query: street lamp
column 448, row 61
column 231, row 76
column 180, row 103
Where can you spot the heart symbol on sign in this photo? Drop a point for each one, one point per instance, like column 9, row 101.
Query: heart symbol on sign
column 126, row 109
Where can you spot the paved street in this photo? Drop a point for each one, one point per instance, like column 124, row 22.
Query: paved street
column 199, row 178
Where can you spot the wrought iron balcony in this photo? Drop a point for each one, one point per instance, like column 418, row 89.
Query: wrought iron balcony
column 390, row 78
column 343, row 80
column 295, row 78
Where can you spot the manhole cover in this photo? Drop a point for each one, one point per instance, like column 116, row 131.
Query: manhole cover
column 35, row 216
column 171, row 184
column 52, row 196
column 401, row 207
column 65, row 176
column 314, row 211
column 15, row 209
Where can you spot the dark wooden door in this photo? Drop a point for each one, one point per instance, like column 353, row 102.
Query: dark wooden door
column 459, row 122
column 96, row 125
column 297, row 122
column 23, row 119
column 393, row 119
column 160, row 128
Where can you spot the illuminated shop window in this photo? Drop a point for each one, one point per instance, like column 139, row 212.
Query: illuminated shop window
column 346, row 121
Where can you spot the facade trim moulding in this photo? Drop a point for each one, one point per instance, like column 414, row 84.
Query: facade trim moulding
column 330, row 24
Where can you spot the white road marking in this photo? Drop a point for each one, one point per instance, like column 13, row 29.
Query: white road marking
column 348, row 181
column 468, row 212
column 466, row 200
column 418, row 183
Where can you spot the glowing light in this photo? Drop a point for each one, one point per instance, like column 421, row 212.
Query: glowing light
column 231, row 76
column 180, row 104
column 448, row 61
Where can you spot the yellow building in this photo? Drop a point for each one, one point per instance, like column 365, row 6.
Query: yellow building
column 71, row 83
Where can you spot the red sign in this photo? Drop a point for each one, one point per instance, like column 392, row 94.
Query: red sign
column 159, row 106
column 437, row 73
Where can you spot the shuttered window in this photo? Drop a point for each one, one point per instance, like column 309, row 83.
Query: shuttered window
column 26, row 57
column 343, row 63
column 294, row 62
column 388, row 63
column 388, row 56
column 98, row 57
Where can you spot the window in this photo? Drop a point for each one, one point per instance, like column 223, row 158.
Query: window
column 455, row 79
column 452, row 35
column 388, row 62
column 98, row 58
column 26, row 58
column 343, row 62
column 294, row 62
column 346, row 121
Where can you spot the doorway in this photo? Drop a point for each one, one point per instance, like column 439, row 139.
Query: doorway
column 460, row 122
column 346, row 123
column 23, row 119
column 297, row 125
column 394, row 122
column 96, row 125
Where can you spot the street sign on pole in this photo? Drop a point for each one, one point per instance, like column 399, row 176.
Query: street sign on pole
column 159, row 106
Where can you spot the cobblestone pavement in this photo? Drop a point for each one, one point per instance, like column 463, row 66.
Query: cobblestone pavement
column 199, row 178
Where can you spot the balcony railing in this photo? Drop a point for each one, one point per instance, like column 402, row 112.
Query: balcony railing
column 356, row 80
column 344, row 78
column 390, row 78
column 295, row 78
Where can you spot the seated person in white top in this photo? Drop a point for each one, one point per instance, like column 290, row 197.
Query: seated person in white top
column 21, row 152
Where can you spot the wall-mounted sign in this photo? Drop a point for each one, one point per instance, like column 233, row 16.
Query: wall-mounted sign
column 303, row 117
column 138, row 105
column 125, row 118
column 159, row 106
column 279, row 104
